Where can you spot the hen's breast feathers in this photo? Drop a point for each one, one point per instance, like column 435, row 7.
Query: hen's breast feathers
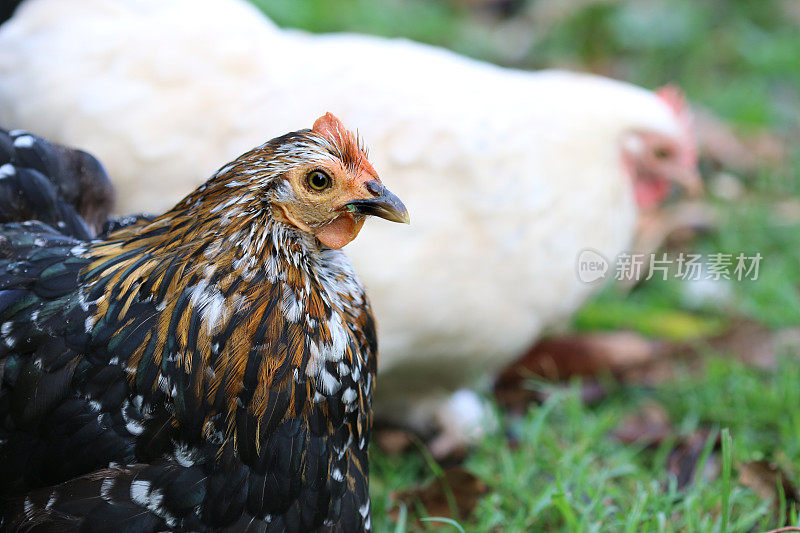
column 242, row 333
column 243, row 358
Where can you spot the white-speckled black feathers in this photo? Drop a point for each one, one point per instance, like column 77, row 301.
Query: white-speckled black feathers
column 209, row 369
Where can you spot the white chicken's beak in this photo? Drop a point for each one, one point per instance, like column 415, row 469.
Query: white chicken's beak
column 689, row 180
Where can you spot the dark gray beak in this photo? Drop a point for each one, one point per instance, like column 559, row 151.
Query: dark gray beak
column 385, row 204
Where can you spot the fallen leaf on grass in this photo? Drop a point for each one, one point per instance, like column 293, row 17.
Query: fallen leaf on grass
column 393, row 441
column 588, row 355
column 754, row 344
column 448, row 449
column 453, row 495
column 684, row 458
column 762, row 477
column 445, row 448
column 650, row 426
column 585, row 355
column 634, row 358
column 516, row 396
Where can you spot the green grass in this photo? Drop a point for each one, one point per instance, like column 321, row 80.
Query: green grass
column 568, row 473
column 738, row 58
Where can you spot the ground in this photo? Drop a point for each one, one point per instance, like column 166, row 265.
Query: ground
column 711, row 443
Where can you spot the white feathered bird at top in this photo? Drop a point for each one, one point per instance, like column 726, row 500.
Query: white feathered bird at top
column 507, row 174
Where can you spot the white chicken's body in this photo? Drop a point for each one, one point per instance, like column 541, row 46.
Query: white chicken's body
column 507, row 175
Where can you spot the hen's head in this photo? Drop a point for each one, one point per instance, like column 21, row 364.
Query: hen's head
column 659, row 160
column 318, row 181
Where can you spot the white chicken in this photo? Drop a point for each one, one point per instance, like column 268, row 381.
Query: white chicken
column 507, row 174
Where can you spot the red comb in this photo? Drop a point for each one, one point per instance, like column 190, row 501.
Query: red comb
column 673, row 96
column 331, row 128
column 343, row 139
column 675, row 99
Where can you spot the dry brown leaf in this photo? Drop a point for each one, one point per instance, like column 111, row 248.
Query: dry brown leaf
column 650, row 426
column 682, row 461
column 448, row 449
column 514, row 397
column 393, row 441
column 749, row 342
column 585, row 355
column 633, row 358
column 762, row 477
column 623, row 354
column 517, row 400
column 754, row 344
column 458, row 486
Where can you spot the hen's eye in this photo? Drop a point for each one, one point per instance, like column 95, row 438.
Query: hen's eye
column 662, row 152
column 318, row 180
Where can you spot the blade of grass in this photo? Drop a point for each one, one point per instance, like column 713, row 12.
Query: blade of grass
column 439, row 473
column 782, row 505
column 402, row 516
column 563, row 506
column 444, row 520
column 727, row 460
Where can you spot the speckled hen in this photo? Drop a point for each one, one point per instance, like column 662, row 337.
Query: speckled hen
column 209, row 369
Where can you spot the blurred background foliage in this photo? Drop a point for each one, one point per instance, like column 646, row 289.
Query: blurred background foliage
column 739, row 57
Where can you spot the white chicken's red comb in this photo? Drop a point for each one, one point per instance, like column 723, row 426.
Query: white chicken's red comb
column 675, row 99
